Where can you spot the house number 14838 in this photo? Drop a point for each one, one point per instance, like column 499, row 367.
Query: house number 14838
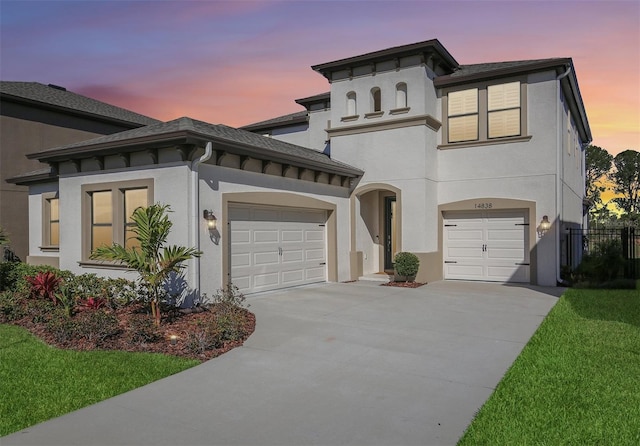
column 483, row 205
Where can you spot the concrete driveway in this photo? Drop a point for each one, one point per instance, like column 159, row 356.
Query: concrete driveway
column 332, row 364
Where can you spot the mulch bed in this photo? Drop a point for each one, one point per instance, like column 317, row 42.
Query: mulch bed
column 403, row 284
column 175, row 323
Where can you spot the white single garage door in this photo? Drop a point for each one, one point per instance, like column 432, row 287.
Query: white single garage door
column 487, row 245
column 276, row 247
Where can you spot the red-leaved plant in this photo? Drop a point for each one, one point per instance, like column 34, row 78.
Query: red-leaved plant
column 93, row 303
column 45, row 285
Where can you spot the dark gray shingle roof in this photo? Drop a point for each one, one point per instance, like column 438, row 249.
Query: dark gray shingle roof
column 60, row 98
column 292, row 118
column 183, row 130
column 486, row 70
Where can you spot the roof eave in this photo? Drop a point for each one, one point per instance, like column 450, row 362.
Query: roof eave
column 72, row 111
column 447, row 80
column 256, row 127
column 378, row 56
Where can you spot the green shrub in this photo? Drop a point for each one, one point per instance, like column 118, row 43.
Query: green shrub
column 406, row 264
column 14, row 275
column 62, row 327
column 142, row 330
column 97, row 326
column 11, row 307
column 603, row 264
column 203, row 336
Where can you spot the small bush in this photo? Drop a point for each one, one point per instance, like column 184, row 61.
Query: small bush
column 604, row 264
column 142, row 330
column 406, row 264
column 229, row 300
column 202, row 337
column 11, row 307
column 44, row 285
column 62, row 327
column 97, row 326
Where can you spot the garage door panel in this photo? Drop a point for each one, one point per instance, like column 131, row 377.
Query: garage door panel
column 241, row 236
column 266, row 236
column 266, row 258
column 465, row 234
column 316, row 273
column 292, row 277
column 458, row 271
column 314, row 235
column 505, row 234
column 293, row 256
column 314, row 254
column 465, row 252
column 292, row 236
column 505, row 253
column 241, row 259
column 265, row 280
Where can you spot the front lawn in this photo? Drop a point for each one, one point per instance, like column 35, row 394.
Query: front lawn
column 38, row 382
column 577, row 380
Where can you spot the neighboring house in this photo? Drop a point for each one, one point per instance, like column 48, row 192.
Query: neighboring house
column 409, row 151
column 33, row 117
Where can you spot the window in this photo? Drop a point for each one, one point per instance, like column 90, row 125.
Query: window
column 503, row 106
column 485, row 113
column 376, row 100
column 401, row 95
column 107, row 210
column 50, row 221
column 351, row 104
column 463, row 115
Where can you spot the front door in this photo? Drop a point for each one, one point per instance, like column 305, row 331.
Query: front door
column 389, row 231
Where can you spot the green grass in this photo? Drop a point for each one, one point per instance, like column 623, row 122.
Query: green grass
column 577, row 382
column 38, row 382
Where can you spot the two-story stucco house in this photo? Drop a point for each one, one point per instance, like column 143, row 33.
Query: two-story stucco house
column 408, row 151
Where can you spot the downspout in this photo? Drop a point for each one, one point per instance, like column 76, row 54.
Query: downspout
column 559, row 171
column 195, row 222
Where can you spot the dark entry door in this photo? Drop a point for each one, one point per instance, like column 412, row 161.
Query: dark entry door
column 389, row 231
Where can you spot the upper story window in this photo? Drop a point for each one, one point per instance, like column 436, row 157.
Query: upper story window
column 401, row 95
column 107, row 210
column 485, row 112
column 463, row 115
column 351, row 104
column 503, row 107
column 376, row 100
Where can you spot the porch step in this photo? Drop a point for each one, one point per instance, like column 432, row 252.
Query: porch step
column 377, row 277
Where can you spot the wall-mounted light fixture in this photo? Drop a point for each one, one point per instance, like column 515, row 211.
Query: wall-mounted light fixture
column 544, row 226
column 212, row 221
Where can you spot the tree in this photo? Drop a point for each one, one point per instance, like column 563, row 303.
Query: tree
column 153, row 261
column 626, row 181
column 598, row 164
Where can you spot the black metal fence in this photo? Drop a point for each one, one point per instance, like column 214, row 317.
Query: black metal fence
column 590, row 241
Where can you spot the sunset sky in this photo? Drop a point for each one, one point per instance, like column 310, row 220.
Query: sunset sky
column 238, row 62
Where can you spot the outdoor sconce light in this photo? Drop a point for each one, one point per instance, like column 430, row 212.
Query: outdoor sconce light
column 212, row 221
column 544, row 226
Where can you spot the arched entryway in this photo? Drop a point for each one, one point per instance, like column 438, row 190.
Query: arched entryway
column 375, row 228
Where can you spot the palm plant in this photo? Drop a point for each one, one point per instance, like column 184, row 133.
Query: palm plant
column 153, row 261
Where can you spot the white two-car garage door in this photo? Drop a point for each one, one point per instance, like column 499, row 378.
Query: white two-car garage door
column 487, row 245
column 276, row 247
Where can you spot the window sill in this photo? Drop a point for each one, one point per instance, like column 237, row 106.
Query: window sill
column 399, row 111
column 103, row 265
column 49, row 248
column 485, row 142
column 373, row 114
column 349, row 118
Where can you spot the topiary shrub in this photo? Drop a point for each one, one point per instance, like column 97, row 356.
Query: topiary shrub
column 406, row 266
